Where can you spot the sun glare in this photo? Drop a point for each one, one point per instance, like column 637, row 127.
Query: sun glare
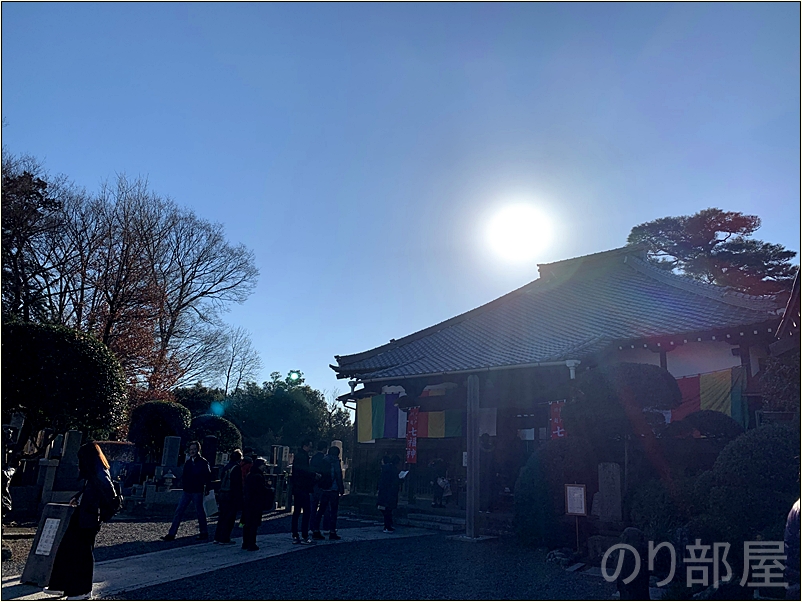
column 517, row 233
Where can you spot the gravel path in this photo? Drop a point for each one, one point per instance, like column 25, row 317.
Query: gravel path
column 434, row 567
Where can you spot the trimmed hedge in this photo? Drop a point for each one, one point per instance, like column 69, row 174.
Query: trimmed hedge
column 152, row 421
column 62, row 379
column 228, row 435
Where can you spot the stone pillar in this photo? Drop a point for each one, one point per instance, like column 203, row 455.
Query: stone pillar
column 172, row 447
column 67, row 476
column 47, row 478
column 472, row 500
column 610, row 492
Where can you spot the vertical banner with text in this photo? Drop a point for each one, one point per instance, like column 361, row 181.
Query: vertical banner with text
column 556, row 419
column 412, row 436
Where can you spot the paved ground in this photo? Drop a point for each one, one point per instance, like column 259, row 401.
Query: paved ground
column 366, row 564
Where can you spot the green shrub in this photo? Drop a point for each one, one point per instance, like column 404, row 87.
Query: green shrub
column 62, row 379
column 152, row 421
column 763, row 458
column 656, row 511
column 228, row 435
column 752, row 486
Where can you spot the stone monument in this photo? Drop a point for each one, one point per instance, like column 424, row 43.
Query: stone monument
column 172, row 448
column 610, row 492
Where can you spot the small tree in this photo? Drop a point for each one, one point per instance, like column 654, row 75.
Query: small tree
column 153, row 421
column 228, row 435
column 62, row 379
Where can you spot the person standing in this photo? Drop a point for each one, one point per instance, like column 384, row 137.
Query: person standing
column 437, row 469
column 319, row 466
column 196, row 477
column 332, row 487
column 303, row 480
column 389, row 482
column 230, row 498
column 254, row 502
column 74, row 564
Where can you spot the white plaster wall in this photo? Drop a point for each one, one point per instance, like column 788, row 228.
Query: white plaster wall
column 700, row 357
column 685, row 360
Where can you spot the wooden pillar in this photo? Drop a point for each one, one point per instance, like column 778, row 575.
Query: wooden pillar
column 472, row 438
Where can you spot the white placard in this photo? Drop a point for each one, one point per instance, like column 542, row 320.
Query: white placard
column 48, row 536
column 465, row 458
column 575, row 500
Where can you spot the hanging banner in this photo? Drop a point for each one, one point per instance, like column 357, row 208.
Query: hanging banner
column 412, row 436
column 556, row 419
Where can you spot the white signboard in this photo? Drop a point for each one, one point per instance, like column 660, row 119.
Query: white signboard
column 48, row 536
column 575, row 500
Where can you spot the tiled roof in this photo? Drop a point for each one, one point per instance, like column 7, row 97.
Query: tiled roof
column 577, row 307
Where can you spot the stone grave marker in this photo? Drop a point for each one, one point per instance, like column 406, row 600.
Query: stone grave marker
column 52, row 526
column 172, row 447
column 67, row 473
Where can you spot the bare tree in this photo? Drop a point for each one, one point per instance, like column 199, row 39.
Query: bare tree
column 242, row 361
column 148, row 278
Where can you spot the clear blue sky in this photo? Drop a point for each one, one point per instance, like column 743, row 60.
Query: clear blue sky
column 359, row 149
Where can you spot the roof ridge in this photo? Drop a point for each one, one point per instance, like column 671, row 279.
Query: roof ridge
column 711, row 291
column 395, row 343
column 549, row 279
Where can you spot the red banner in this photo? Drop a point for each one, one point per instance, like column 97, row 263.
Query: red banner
column 556, row 419
column 412, row 436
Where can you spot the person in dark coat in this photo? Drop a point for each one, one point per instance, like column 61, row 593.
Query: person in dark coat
column 196, row 477
column 255, row 497
column 332, row 487
column 319, row 466
column 303, row 481
column 75, row 562
column 389, row 483
column 229, row 498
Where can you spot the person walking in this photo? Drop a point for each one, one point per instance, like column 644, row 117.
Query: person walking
column 74, row 564
column 254, row 501
column 303, row 480
column 196, row 477
column 229, row 498
column 319, row 466
column 332, row 487
column 389, row 482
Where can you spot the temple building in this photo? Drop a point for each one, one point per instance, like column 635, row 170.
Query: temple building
column 525, row 348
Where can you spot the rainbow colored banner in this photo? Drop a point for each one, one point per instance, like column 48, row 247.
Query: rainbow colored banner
column 722, row 391
column 378, row 417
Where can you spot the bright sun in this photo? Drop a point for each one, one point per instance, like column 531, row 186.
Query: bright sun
column 517, row 233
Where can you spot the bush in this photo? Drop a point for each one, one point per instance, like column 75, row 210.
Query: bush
column 763, row 458
column 656, row 510
column 153, row 421
column 609, row 402
column 708, row 423
column 228, row 435
column 753, row 485
column 779, row 382
column 62, row 379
